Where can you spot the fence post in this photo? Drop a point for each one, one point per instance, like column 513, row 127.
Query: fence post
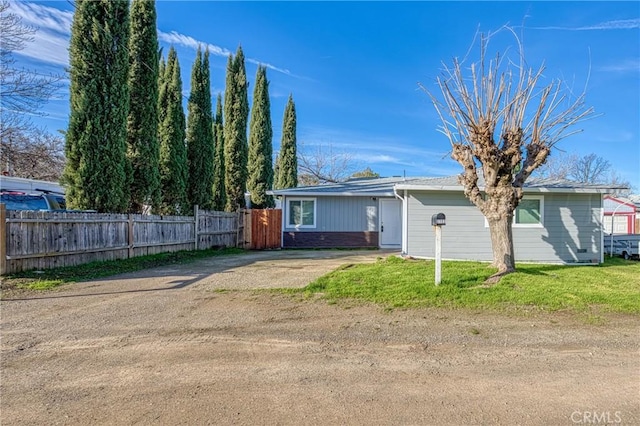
column 3, row 239
column 241, row 228
column 195, row 226
column 130, row 236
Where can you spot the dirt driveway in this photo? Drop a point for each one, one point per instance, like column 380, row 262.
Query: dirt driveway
column 197, row 344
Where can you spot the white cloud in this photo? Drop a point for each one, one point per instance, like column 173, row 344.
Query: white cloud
column 51, row 40
column 387, row 155
column 43, row 17
column 629, row 65
column 621, row 24
column 376, row 158
column 187, row 41
column 271, row 67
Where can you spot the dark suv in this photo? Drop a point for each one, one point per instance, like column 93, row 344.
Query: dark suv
column 21, row 201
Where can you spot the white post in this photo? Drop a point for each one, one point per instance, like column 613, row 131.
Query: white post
column 438, row 230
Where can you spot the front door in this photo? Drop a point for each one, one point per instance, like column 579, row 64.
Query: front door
column 390, row 223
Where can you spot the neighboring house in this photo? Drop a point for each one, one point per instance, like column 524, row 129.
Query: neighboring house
column 621, row 213
column 556, row 222
column 635, row 198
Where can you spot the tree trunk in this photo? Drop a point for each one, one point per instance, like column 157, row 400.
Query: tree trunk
column 502, row 247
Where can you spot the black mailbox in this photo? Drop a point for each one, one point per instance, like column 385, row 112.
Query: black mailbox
column 438, row 219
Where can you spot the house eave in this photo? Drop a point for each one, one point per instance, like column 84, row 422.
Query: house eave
column 389, row 193
column 410, row 187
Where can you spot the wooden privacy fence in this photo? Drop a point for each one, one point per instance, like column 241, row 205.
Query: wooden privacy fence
column 263, row 229
column 43, row 240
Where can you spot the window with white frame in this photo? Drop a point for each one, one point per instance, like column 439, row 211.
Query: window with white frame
column 528, row 214
column 301, row 212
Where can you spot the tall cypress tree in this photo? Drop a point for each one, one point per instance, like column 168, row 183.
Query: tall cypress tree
column 287, row 162
column 200, row 135
column 171, row 134
column 219, row 193
column 260, row 161
column 143, row 147
column 236, row 113
column 95, row 175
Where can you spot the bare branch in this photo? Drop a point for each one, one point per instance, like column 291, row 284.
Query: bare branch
column 324, row 165
column 23, row 91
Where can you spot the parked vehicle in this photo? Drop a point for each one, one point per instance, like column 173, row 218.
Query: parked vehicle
column 625, row 246
column 630, row 250
column 22, row 201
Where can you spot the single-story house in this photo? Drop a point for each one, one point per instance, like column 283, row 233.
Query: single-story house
column 556, row 222
column 357, row 213
column 619, row 215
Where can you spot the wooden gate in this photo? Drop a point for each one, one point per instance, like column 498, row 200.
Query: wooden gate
column 263, row 229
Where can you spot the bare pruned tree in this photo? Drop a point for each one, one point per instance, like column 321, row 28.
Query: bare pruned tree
column 590, row 169
column 557, row 167
column 323, row 165
column 34, row 154
column 502, row 122
column 26, row 150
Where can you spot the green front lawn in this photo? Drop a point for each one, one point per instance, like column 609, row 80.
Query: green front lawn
column 395, row 282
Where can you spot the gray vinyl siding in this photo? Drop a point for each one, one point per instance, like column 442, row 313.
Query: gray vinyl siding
column 342, row 214
column 571, row 223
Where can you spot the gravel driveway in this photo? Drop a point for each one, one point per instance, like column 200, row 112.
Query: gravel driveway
column 197, row 344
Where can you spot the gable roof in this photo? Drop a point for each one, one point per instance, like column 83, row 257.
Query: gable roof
column 371, row 187
column 635, row 199
column 618, row 205
column 386, row 187
column 450, row 183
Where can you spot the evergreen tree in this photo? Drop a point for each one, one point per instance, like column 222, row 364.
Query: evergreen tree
column 95, row 175
column 143, row 147
column 171, row 134
column 287, row 161
column 236, row 113
column 219, row 193
column 200, row 135
column 260, row 161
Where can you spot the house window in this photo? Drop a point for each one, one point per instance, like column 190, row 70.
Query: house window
column 301, row 212
column 529, row 212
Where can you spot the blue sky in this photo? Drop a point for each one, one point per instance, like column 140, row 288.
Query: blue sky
column 354, row 68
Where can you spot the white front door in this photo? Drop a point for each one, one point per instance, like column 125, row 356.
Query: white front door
column 390, row 223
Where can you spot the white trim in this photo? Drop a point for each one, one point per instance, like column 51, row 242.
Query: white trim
column 602, row 229
column 288, row 209
column 455, row 188
column 284, row 220
column 380, row 201
column 405, row 222
column 389, row 193
column 526, row 225
column 540, row 224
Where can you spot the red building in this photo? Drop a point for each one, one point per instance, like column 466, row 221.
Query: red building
column 621, row 213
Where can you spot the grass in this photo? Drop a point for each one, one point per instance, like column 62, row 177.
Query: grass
column 51, row 278
column 398, row 283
